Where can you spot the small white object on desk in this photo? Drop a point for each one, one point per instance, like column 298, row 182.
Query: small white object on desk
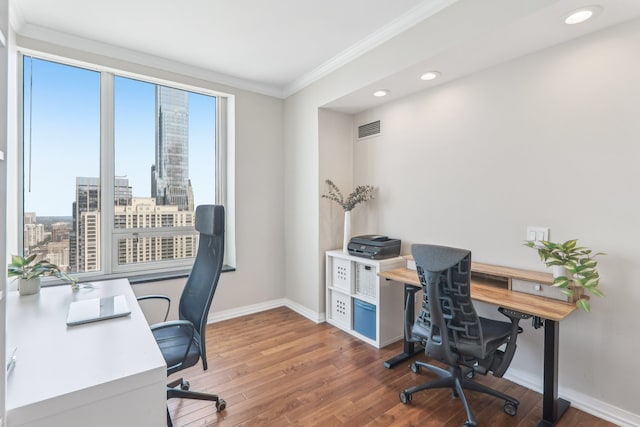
column 96, row 309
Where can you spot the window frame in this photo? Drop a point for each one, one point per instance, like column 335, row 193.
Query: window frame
column 224, row 143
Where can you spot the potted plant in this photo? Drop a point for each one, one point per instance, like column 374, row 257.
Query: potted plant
column 580, row 268
column 362, row 193
column 29, row 271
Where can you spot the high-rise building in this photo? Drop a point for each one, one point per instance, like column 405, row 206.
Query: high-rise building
column 29, row 218
column 60, row 231
column 84, row 250
column 58, row 253
column 170, row 183
column 33, row 235
column 143, row 212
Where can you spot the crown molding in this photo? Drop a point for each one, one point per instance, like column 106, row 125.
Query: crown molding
column 16, row 17
column 65, row 40
column 424, row 10
column 414, row 16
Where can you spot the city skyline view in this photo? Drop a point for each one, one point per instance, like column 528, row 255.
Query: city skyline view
column 65, row 114
column 163, row 141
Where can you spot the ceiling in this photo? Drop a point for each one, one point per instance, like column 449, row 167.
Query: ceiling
column 273, row 43
column 277, row 47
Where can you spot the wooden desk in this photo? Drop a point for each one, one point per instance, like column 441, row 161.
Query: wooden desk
column 552, row 311
column 102, row 374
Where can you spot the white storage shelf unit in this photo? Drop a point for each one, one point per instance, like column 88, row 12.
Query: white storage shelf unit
column 350, row 278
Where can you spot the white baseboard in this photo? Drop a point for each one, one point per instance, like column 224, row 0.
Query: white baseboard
column 314, row 316
column 244, row 310
column 578, row 400
column 263, row 306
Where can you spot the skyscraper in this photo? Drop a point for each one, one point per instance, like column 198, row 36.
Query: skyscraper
column 170, row 183
column 143, row 212
column 84, row 250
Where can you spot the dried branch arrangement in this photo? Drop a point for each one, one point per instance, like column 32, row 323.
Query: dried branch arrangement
column 362, row 193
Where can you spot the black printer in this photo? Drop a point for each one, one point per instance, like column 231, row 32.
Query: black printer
column 374, row 246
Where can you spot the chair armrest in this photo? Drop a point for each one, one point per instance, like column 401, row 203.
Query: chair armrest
column 501, row 363
column 172, row 324
column 162, row 297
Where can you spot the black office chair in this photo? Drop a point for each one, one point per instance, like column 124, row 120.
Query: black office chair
column 452, row 332
column 182, row 342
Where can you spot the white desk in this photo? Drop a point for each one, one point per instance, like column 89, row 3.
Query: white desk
column 102, row 374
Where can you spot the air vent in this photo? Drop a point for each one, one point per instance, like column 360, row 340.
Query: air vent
column 369, row 129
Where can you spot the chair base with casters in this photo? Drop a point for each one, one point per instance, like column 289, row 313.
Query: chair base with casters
column 179, row 388
column 458, row 380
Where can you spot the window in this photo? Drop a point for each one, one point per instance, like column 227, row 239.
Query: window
column 156, row 144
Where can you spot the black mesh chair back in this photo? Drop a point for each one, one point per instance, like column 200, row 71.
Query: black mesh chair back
column 203, row 280
column 445, row 276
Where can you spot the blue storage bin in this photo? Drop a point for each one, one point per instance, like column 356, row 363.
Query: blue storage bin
column 364, row 318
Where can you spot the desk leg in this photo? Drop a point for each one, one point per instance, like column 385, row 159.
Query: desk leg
column 552, row 406
column 410, row 348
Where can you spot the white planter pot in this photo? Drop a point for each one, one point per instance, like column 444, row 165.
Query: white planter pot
column 559, row 271
column 28, row 286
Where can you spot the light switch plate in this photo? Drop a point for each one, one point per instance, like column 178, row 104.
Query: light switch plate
column 537, row 233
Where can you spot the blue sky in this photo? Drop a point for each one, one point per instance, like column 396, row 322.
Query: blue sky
column 65, row 135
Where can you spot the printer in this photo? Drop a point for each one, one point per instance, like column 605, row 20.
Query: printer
column 374, row 246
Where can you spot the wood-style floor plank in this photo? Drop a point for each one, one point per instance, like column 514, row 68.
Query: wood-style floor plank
column 277, row 368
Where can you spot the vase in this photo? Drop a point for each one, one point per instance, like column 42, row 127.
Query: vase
column 28, row 286
column 559, row 271
column 347, row 232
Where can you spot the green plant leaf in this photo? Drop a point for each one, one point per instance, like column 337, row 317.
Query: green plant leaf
column 591, row 282
column 584, row 304
column 561, row 282
column 571, row 266
column 585, row 271
column 596, row 291
column 587, row 262
column 567, row 292
column 570, row 244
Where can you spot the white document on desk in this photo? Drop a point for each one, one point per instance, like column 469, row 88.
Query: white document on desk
column 95, row 309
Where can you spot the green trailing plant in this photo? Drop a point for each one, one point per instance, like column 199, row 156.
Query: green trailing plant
column 580, row 263
column 362, row 193
column 30, row 268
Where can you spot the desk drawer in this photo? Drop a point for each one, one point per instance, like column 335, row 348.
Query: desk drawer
column 540, row 289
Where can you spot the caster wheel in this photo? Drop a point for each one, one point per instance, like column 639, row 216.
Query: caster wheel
column 469, row 424
column 510, row 408
column 405, row 397
column 471, row 374
column 185, row 385
column 221, row 405
column 415, row 368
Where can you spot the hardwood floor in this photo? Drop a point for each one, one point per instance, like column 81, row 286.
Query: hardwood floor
column 277, row 368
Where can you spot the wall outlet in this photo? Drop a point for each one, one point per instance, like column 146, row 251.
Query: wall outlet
column 537, row 233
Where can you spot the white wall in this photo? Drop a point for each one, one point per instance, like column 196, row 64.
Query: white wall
column 304, row 250
column 551, row 139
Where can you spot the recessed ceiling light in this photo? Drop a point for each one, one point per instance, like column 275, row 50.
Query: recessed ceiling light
column 430, row 75
column 381, row 92
column 580, row 15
